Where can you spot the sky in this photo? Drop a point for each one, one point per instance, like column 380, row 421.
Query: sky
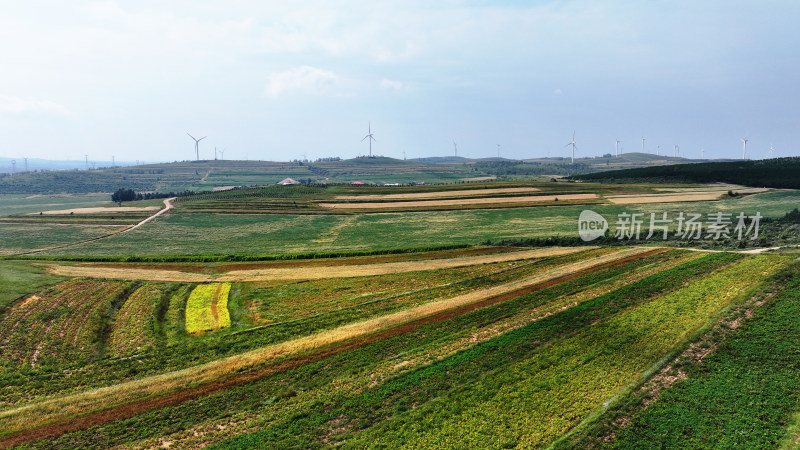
column 278, row 80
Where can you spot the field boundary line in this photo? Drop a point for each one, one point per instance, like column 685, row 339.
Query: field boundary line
column 57, row 409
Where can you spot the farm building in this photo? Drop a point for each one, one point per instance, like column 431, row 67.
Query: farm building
column 357, row 183
column 288, row 182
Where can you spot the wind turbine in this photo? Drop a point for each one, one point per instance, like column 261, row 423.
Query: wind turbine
column 197, row 145
column 643, row 139
column 618, row 142
column 455, row 148
column 572, row 143
column 369, row 135
column 702, row 153
column 498, row 150
column 771, row 150
column 222, row 154
column 677, row 150
column 658, row 150
column 215, row 153
column 744, row 148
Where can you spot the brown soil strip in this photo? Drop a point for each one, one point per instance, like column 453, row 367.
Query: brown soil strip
column 438, row 194
column 305, row 273
column 460, row 202
column 127, row 410
column 214, row 311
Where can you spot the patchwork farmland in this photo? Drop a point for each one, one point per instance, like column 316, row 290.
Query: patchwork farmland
column 442, row 316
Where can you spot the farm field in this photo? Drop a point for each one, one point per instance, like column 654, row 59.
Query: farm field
column 260, row 318
column 352, row 360
column 198, row 233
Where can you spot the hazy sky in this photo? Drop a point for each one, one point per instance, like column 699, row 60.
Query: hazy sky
column 279, row 80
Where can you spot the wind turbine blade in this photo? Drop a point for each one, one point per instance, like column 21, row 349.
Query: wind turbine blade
column 191, row 136
column 202, row 138
column 362, row 140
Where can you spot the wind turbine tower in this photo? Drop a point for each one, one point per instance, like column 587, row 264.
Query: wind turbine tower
column 572, row 143
column 87, row 161
column 618, row 142
column 113, row 164
column 455, row 148
column 13, row 167
column 744, row 148
column 215, row 153
column 26, row 164
column 771, row 151
column 197, row 145
column 498, row 150
column 702, row 153
column 677, row 150
column 222, row 155
column 658, row 150
column 643, row 139
column 369, row 135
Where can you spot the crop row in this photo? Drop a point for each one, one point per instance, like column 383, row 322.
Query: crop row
column 456, row 374
column 743, row 395
column 58, row 325
column 136, row 322
column 207, row 308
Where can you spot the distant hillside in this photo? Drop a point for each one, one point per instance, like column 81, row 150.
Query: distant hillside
column 774, row 173
column 206, row 175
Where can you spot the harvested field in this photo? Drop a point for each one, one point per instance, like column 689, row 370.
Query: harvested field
column 303, row 273
column 689, row 196
column 438, row 194
column 457, row 202
column 100, row 210
column 59, row 408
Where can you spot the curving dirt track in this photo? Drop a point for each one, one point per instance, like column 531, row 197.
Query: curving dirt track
column 57, row 416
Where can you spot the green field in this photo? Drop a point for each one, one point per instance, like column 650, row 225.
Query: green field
column 261, row 317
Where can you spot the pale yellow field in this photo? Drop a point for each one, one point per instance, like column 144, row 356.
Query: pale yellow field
column 687, row 196
column 100, row 210
column 459, row 202
column 303, row 273
column 664, row 198
column 61, row 407
column 440, row 194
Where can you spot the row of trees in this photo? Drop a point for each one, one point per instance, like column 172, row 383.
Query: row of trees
column 129, row 195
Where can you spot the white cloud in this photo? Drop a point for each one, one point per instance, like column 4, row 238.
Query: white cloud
column 301, row 80
column 392, row 84
column 16, row 105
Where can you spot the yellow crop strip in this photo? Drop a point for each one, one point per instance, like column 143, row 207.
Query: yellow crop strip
column 207, row 308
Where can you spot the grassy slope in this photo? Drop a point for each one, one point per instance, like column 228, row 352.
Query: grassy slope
column 20, row 280
column 742, row 395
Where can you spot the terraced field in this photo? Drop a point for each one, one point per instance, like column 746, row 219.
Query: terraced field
column 510, row 348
